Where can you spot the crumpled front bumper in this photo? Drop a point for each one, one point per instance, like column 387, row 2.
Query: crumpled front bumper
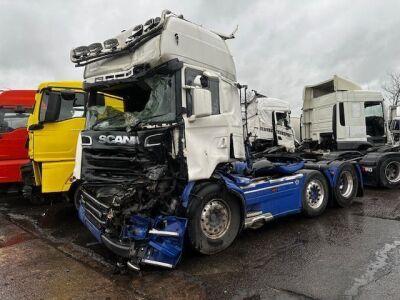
column 153, row 241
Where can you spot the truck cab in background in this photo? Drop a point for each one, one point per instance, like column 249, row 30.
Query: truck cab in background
column 57, row 119
column 54, row 126
column 338, row 114
column 269, row 124
column 341, row 118
column 15, row 107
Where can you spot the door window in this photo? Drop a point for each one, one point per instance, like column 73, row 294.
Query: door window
column 11, row 119
column 282, row 119
column 69, row 109
column 374, row 119
column 212, row 84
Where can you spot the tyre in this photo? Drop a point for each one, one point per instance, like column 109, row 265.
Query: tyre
column 214, row 220
column 315, row 194
column 389, row 173
column 346, row 187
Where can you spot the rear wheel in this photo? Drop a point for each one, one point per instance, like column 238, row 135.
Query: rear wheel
column 346, row 186
column 390, row 172
column 315, row 194
column 214, row 220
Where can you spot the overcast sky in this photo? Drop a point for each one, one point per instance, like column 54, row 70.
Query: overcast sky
column 280, row 45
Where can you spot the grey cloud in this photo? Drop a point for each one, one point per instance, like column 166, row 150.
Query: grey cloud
column 280, row 46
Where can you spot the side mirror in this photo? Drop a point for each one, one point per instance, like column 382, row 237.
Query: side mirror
column 34, row 127
column 53, row 108
column 201, row 102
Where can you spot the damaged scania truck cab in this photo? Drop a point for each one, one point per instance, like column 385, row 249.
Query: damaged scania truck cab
column 173, row 162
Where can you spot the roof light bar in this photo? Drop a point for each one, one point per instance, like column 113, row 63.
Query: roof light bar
column 84, row 55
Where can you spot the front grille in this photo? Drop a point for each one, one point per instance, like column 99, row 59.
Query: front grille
column 114, row 165
column 95, row 210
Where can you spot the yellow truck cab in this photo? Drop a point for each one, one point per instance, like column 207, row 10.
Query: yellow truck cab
column 58, row 117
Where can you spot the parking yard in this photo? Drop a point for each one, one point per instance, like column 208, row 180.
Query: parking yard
column 46, row 252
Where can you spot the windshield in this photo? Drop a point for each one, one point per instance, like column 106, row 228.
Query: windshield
column 149, row 100
column 11, row 119
column 374, row 119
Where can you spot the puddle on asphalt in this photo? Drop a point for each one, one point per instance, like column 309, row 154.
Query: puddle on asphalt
column 382, row 261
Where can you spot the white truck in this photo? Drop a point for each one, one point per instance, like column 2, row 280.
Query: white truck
column 269, row 124
column 339, row 120
column 339, row 116
column 173, row 164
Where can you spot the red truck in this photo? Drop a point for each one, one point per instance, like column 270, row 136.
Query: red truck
column 15, row 107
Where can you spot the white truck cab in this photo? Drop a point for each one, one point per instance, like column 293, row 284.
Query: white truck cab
column 189, row 73
column 338, row 113
column 269, row 123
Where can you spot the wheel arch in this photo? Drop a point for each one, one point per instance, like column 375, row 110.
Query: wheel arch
column 228, row 188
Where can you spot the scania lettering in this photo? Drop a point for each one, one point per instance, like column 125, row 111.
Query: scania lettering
column 111, row 139
column 187, row 174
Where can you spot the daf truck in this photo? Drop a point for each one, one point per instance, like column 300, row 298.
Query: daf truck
column 173, row 164
column 15, row 107
column 54, row 125
column 340, row 117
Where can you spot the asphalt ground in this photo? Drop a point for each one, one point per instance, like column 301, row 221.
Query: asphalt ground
column 352, row 253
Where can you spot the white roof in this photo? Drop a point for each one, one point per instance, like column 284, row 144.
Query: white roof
column 189, row 42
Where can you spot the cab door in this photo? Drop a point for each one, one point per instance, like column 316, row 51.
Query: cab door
column 13, row 134
column 214, row 137
column 13, row 138
column 54, row 141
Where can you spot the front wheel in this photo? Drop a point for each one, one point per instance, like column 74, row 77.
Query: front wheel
column 390, row 172
column 315, row 194
column 214, row 220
